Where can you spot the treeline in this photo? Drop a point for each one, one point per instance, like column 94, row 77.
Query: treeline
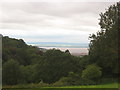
column 25, row 64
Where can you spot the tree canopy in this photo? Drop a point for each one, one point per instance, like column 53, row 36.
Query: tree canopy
column 104, row 44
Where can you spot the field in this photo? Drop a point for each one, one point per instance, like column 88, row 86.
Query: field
column 110, row 86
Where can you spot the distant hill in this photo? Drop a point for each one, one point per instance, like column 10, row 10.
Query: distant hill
column 18, row 50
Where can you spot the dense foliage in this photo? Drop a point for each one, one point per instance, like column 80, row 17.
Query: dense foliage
column 33, row 65
column 19, row 50
column 12, row 72
column 25, row 64
column 104, row 45
column 92, row 72
column 55, row 64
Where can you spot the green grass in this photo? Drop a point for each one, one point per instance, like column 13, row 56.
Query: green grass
column 110, row 85
column 34, row 87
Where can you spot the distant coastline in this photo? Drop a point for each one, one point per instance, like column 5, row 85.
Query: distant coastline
column 73, row 51
column 77, row 49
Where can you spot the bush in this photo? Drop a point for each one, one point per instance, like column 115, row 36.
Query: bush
column 67, row 81
column 109, row 80
column 73, row 79
column 92, row 72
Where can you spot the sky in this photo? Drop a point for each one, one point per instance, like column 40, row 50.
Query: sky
column 46, row 21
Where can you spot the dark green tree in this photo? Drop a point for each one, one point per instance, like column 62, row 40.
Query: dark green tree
column 28, row 74
column 67, row 51
column 19, row 51
column 11, row 72
column 104, row 44
column 55, row 64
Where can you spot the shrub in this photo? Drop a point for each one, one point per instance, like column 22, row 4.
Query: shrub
column 92, row 72
column 73, row 79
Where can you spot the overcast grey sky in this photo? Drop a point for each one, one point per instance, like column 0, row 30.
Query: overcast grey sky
column 51, row 21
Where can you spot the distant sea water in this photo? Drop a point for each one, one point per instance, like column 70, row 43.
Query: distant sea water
column 74, row 48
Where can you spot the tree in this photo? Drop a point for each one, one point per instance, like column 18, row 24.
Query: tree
column 83, row 62
column 67, row 51
column 92, row 72
column 11, row 72
column 104, row 45
column 19, row 50
column 28, row 74
column 55, row 64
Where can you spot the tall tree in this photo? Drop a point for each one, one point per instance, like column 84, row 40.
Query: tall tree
column 104, row 44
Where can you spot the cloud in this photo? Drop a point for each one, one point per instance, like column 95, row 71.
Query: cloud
column 56, row 21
